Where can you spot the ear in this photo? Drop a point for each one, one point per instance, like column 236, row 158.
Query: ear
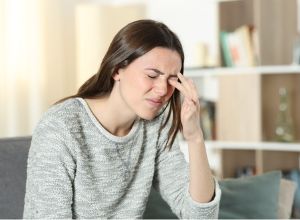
column 117, row 75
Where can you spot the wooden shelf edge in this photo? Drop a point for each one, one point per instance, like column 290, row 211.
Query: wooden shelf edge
column 271, row 146
column 213, row 72
column 236, row 145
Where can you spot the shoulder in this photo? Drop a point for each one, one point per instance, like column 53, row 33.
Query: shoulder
column 61, row 114
column 52, row 135
column 64, row 109
column 58, row 122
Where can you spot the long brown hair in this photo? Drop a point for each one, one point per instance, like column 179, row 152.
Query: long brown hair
column 131, row 42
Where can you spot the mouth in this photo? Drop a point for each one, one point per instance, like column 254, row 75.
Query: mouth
column 155, row 102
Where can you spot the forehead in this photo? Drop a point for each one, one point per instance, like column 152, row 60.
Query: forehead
column 160, row 58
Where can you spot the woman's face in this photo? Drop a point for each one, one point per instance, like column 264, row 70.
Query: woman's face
column 143, row 84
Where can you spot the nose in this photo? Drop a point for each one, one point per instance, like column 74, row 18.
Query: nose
column 161, row 87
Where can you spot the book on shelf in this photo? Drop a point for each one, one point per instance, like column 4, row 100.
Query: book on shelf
column 240, row 47
column 207, row 119
column 225, row 49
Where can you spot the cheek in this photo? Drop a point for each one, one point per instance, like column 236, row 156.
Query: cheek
column 146, row 84
column 140, row 84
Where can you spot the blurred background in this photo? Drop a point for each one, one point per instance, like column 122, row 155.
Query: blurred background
column 244, row 56
column 49, row 47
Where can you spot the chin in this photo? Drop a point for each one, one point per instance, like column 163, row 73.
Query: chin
column 148, row 116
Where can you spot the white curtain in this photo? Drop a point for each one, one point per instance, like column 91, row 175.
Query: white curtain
column 45, row 55
column 37, row 60
column 96, row 25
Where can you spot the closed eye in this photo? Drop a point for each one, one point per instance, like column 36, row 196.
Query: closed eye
column 152, row 76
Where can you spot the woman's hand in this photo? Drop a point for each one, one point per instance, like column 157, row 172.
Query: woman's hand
column 190, row 111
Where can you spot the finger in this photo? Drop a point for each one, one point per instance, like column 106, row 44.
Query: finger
column 179, row 86
column 189, row 86
column 193, row 90
column 183, row 80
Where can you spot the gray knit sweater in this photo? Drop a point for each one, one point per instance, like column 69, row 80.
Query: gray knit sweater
column 77, row 169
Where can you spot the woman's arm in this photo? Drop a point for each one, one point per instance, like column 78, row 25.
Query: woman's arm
column 201, row 185
column 201, row 180
column 172, row 180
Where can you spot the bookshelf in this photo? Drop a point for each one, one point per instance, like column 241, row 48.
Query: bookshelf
column 246, row 98
column 274, row 20
column 246, row 109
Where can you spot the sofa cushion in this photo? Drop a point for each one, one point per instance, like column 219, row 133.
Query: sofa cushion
column 286, row 198
column 247, row 197
column 13, row 163
column 253, row 197
column 294, row 175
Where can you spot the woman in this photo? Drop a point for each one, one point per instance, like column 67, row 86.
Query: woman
column 98, row 153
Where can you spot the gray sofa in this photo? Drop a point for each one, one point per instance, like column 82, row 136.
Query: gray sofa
column 264, row 196
column 13, row 160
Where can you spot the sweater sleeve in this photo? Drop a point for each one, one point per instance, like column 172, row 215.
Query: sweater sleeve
column 172, row 181
column 50, row 173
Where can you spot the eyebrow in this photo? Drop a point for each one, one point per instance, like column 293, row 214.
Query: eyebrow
column 161, row 73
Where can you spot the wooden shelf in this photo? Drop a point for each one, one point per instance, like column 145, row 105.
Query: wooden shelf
column 260, row 70
column 238, row 145
column 267, row 146
column 226, row 157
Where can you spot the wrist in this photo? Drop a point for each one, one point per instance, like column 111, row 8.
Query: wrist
column 196, row 139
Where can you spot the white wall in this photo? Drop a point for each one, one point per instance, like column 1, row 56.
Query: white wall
column 194, row 21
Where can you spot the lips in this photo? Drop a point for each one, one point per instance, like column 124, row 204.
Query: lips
column 155, row 102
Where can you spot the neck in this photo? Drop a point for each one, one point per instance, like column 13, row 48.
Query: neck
column 109, row 115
